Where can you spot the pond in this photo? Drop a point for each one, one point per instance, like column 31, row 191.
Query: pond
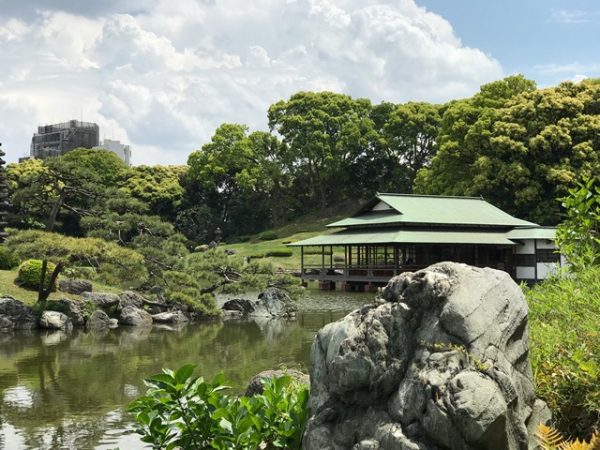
column 61, row 391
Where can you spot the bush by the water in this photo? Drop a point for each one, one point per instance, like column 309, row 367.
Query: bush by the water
column 8, row 260
column 565, row 348
column 30, row 274
column 182, row 411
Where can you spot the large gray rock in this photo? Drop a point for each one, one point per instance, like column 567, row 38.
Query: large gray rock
column 101, row 299
column 74, row 309
column 14, row 315
column 134, row 317
column 170, row 317
column 130, row 298
column 442, row 363
column 98, row 322
column 54, row 320
column 272, row 303
column 75, row 286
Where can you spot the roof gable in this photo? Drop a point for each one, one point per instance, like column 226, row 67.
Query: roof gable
column 430, row 209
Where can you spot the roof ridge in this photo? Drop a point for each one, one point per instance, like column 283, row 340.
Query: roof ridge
column 430, row 195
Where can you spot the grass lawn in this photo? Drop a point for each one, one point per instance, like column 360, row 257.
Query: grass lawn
column 29, row 297
column 302, row 228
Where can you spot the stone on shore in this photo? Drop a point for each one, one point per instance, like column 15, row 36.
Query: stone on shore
column 98, row 322
column 130, row 298
column 134, row 317
column 273, row 302
column 75, row 286
column 170, row 317
column 14, row 315
column 55, row 320
column 443, row 363
column 101, row 299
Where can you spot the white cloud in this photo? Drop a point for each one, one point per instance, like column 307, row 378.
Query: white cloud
column 573, row 16
column 164, row 79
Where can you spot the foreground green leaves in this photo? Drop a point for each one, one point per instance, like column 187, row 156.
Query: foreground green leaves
column 182, row 411
column 564, row 314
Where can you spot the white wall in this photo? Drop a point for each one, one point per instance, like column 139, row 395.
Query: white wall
column 525, row 273
column 528, row 247
column 381, row 206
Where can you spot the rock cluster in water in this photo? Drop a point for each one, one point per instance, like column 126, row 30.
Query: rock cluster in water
column 442, row 363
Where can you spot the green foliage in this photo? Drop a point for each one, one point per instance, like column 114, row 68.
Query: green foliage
column 158, row 187
column 183, row 289
column 578, row 236
column 518, row 147
column 181, row 411
column 268, row 236
column 30, row 274
column 114, row 265
column 284, row 253
column 8, row 260
column 565, row 348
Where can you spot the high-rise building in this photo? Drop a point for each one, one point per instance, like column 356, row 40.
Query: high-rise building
column 123, row 151
column 60, row 138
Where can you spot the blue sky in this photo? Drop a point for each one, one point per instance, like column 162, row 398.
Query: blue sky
column 547, row 40
column 162, row 75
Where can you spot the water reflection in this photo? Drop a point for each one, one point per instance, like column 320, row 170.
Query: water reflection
column 69, row 391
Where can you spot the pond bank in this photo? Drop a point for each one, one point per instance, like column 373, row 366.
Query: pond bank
column 60, row 390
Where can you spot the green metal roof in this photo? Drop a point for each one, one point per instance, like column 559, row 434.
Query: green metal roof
column 353, row 237
column 430, row 209
column 533, row 233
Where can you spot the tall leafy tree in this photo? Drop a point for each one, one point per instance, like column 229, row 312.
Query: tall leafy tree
column 238, row 175
column 522, row 152
column 324, row 133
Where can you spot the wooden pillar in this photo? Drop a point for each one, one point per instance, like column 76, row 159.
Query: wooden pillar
column 322, row 258
column 301, row 262
column 331, row 256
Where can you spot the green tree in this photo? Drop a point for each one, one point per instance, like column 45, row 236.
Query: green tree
column 238, row 176
column 520, row 156
column 578, row 236
column 411, row 141
column 158, row 187
column 323, row 133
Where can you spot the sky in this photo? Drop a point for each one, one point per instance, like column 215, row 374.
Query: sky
column 162, row 75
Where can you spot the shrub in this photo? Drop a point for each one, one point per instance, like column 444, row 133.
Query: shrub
column 338, row 258
column 257, row 256
column 30, row 274
column 317, row 251
column 8, row 260
column 180, row 411
column 268, row 236
column 565, row 348
column 279, row 253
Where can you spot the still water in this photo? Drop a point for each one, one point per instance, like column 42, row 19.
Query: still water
column 61, row 391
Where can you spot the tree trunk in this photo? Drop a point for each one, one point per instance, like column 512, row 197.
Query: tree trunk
column 45, row 293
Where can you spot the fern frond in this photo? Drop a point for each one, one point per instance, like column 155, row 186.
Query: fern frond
column 549, row 438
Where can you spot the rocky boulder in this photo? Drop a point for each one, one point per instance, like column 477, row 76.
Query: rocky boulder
column 54, row 320
column 170, row 317
column 14, row 315
column 130, row 298
column 255, row 386
column 98, row 322
column 273, row 303
column 241, row 306
column 75, row 286
column 74, row 309
column 101, row 299
column 442, row 363
column 134, row 317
